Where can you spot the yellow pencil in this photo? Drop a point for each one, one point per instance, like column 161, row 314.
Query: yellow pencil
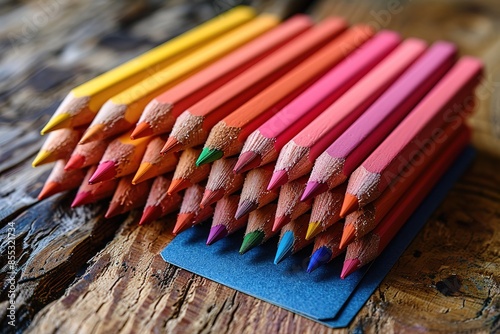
column 122, row 111
column 83, row 102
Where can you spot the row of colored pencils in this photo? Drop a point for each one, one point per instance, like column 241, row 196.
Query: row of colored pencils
column 331, row 135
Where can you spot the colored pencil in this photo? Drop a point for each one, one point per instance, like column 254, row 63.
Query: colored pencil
column 334, row 166
column 292, row 238
column 289, row 205
column 264, row 144
column 83, row 102
column 363, row 251
column 91, row 193
column 221, row 181
column 297, row 156
column 365, row 219
column 87, row 155
column 190, row 212
column 224, row 222
column 448, row 102
column 58, row 145
column 326, row 247
column 192, row 127
column 237, row 126
column 160, row 114
column 326, row 210
column 128, row 196
column 122, row 111
column 122, row 157
column 187, row 173
column 259, row 227
column 153, row 163
column 254, row 194
column 159, row 203
column 60, row 180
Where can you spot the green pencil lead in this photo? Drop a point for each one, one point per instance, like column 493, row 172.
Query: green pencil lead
column 209, row 155
column 251, row 240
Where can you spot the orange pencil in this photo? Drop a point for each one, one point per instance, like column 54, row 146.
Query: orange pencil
column 190, row 212
column 159, row 203
column 289, row 205
column 128, row 196
column 326, row 247
column 221, row 181
column 122, row 157
column 60, row 180
column 153, row 163
column 91, row 193
column 259, row 227
column 224, row 222
column 193, row 126
column 58, row 145
column 160, row 114
column 187, row 173
column 87, row 154
column 292, row 238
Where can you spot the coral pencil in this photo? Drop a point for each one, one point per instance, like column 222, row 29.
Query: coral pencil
column 160, row 114
column 238, row 125
column 221, row 181
column 83, row 102
column 58, row 145
column 259, row 227
column 224, row 222
column 362, row 251
column 297, row 156
column 447, row 103
column 159, row 203
column 254, row 193
column 153, row 163
column 193, row 126
column 190, row 212
column 362, row 221
column 122, row 157
column 264, row 144
column 128, row 196
column 60, row 180
column 334, row 166
column 292, row 238
column 187, row 173
column 87, row 155
column 326, row 247
column 91, row 193
column 122, row 111
column 289, row 205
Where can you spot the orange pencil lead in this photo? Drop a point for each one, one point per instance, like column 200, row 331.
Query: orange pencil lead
column 141, row 130
column 76, row 161
column 279, row 222
column 184, row 221
column 114, row 209
column 347, row 235
column 91, row 134
column 211, row 196
column 349, row 205
column 178, row 185
column 48, row 190
column 172, row 145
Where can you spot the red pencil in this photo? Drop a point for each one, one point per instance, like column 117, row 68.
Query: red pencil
column 289, row 205
column 128, row 196
column 91, row 193
column 224, row 222
column 153, row 163
column 221, row 181
column 191, row 213
column 61, row 180
column 187, row 173
column 87, row 154
column 159, row 203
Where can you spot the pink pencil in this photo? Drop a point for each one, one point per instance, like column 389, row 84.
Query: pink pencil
column 447, row 103
column 297, row 156
column 264, row 144
column 339, row 160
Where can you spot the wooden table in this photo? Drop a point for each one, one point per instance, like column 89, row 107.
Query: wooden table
column 77, row 272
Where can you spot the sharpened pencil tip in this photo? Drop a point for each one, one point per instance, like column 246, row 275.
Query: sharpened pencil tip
column 172, row 145
column 211, row 196
column 105, row 171
column 349, row 267
column 313, row 229
column 145, row 172
column 245, row 207
column 76, row 161
column 216, row 233
column 209, row 155
column 93, row 133
column 184, row 221
column 349, row 205
column 82, row 199
column 313, row 189
column 114, row 209
column 247, row 161
column 280, row 221
column 320, row 257
column 284, row 247
column 347, row 235
column 56, row 122
column 49, row 189
column 150, row 213
column 251, row 240
column 278, row 179
column 41, row 158
column 177, row 185
column 141, row 130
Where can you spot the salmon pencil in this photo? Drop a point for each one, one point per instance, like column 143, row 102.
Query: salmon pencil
column 334, row 166
column 122, row 157
column 91, row 193
column 153, row 163
column 292, row 238
column 289, row 205
column 224, row 222
column 87, row 155
column 448, row 102
column 160, row 114
column 187, row 173
column 237, row 126
column 190, row 212
column 362, row 221
column 122, row 111
column 128, row 196
column 84, row 101
column 264, row 144
column 365, row 250
column 159, row 203
column 60, row 180
column 254, row 193
column 297, row 156
column 326, row 247
column 193, row 126
column 259, row 227
column 221, row 181
column 58, row 145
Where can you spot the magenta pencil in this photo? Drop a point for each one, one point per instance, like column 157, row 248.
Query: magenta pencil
column 297, row 156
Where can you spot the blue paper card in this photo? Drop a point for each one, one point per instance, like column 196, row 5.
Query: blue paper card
column 321, row 295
